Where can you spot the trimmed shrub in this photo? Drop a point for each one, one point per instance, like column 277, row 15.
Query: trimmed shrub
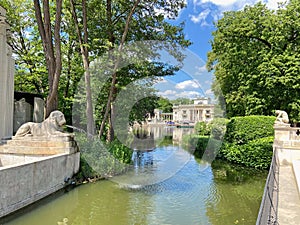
column 256, row 153
column 241, row 130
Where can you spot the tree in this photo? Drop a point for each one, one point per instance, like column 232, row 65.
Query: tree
column 51, row 47
column 132, row 22
column 30, row 69
column 83, row 42
column 255, row 58
column 165, row 105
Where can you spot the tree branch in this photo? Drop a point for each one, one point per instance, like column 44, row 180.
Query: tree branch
column 114, row 76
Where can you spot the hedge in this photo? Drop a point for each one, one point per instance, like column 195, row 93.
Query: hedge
column 248, row 140
column 241, row 130
column 256, row 153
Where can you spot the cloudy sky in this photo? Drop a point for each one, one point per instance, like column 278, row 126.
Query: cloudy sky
column 193, row 80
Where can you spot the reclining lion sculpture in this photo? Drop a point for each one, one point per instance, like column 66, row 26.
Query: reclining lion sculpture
column 52, row 126
column 282, row 117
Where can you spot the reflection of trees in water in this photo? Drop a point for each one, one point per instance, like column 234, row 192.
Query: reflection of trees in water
column 147, row 138
column 238, row 191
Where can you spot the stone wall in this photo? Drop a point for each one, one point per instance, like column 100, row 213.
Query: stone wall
column 287, row 144
column 6, row 80
column 25, row 183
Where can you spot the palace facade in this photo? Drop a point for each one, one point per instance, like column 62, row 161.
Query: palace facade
column 200, row 110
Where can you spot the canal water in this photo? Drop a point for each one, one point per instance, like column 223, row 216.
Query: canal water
column 166, row 185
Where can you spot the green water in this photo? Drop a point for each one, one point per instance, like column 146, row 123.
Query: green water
column 166, row 186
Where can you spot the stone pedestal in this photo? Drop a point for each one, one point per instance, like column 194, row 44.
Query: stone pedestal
column 40, row 146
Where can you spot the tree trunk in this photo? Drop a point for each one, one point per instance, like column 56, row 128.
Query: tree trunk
column 52, row 50
column 116, row 65
column 84, row 54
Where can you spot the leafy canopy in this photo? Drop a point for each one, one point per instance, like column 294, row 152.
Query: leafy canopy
column 256, row 61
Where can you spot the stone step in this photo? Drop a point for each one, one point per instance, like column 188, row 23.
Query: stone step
column 29, row 143
column 38, row 150
column 70, row 137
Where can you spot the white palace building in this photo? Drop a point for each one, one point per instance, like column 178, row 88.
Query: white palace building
column 200, row 110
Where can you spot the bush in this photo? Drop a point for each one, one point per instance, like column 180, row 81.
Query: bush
column 216, row 128
column 101, row 160
column 241, row 130
column 256, row 153
column 202, row 128
column 120, row 151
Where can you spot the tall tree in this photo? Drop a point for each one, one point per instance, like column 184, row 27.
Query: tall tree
column 114, row 73
column 255, row 58
column 83, row 43
column 30, row 69
column 51, row 46
column 147, row 22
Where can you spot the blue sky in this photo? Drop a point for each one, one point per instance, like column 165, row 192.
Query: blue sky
column 199, row 16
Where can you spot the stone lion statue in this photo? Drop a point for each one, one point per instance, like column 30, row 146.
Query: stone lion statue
column 282, row 117
column 52, row 126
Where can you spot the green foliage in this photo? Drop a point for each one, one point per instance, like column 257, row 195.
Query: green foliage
column 104, row 33
column 256, row 153
column 197, row 145
column 101, row 160
column 202, row 128
column 248, row 140
column 165, row 105
column 182, row 101
column 216, row 128
column 241, row 130
column 256, row 61
column 120, row 151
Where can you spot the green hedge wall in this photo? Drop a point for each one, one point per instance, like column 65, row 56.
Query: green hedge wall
column 248, row 140
column 256, row 153
column 241, row 130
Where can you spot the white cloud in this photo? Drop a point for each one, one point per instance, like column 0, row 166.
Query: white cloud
column 201, row 17
column 221, row 2
column 207, row 14
column 167, row 93
column 273, row 4
column 188, row 94
column 209, row 92
column 188, row 84
column 201, row 69
column 208, row 82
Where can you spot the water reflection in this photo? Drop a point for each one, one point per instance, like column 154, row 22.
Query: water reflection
column 167, row 185
column 148, row 137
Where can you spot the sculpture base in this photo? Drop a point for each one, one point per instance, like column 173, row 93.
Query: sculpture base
column 30, row 145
